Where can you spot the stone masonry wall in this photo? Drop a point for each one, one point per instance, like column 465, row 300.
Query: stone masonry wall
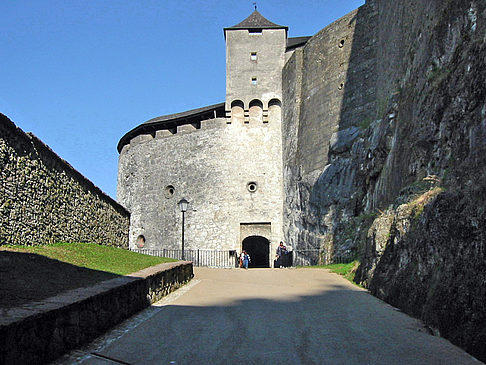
column 211, row 168
column 45, row 200
column 328, row 94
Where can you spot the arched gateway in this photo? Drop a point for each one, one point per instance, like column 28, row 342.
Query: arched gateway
column 258, row 248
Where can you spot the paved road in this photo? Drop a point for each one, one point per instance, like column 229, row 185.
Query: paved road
column 271, row 316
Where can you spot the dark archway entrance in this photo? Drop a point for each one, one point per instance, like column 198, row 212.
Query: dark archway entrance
column 258, row 248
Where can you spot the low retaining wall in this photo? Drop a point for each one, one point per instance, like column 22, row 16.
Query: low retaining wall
column 40, row 332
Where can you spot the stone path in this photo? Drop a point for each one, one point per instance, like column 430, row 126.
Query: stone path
column 270, row 316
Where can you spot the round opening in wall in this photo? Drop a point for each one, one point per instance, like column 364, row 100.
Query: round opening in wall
column 141, row 241
column 252, row 186
column 169, row 191
column 341, row 85
column 341, row 44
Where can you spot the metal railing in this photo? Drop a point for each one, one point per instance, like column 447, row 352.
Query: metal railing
column 229, row 258
column 208, row 258
column 321, row 257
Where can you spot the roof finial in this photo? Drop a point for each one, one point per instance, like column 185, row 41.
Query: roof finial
column 254, row 4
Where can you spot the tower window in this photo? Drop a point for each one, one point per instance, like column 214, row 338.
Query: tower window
column 255, row 31
column 169, row 191
column 253, row 56
column 253, row 80
column 252, row 186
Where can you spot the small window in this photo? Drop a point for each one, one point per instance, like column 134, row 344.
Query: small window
column 169, row 191
column 255, row 31
column 140, row 241
column 252, row 186
column 253, row 80
column 253, row 56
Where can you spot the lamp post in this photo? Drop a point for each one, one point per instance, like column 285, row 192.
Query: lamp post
column 183, row 207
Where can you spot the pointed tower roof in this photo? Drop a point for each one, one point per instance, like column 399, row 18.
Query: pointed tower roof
column 256, row 21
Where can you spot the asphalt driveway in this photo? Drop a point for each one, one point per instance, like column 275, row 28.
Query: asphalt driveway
column 270, row 316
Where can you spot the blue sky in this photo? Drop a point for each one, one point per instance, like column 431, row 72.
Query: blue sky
column 80, row 74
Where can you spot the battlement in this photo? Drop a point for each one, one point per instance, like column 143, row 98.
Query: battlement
column 210, row 117
column 254, row 111
column 170, row 124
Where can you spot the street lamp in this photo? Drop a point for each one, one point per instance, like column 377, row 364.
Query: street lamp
column 183, row 207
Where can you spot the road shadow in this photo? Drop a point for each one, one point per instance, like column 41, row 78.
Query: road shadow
column 339, row 325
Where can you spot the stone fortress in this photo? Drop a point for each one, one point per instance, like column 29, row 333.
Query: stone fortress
column 225, row 159
column 369, row 136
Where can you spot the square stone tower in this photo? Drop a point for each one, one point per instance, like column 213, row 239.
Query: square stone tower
column 255, row 57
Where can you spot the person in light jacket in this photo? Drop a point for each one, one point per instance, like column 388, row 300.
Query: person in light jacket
column 246, row 259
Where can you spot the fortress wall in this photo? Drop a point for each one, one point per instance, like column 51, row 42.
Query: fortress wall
column 210, row 167
column 44, row 200
column 292, row 93
column 329, row 103
column 327, row 87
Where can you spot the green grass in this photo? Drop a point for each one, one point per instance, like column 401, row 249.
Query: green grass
column 437, row 75
column 92, row 256
column 365, row 123
column 346, row 270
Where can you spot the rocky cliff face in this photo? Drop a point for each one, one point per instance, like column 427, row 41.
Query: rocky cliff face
column 428, row 259
column 405, row 183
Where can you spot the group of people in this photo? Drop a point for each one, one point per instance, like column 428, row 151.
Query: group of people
column 245, row 257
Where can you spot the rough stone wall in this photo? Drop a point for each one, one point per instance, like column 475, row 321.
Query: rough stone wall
column 210, row 167
column 328, row 94
column 428, row 160
column 405, row 185
column 45, row 200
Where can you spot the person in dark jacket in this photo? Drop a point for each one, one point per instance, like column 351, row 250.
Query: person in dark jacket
column 281, row 250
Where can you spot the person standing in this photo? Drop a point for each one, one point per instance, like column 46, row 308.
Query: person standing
column 281, row 253
column 281, row 250
column 246, row 259
column 242, row 255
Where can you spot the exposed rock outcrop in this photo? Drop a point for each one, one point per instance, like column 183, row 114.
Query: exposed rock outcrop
column 405, row 182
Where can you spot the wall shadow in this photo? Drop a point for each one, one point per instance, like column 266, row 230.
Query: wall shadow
column 28, row 277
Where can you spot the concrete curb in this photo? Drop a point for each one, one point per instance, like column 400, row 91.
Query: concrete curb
column 40, row 332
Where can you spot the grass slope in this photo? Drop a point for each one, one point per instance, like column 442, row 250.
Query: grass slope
column 346, row 270
column 92, row 256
